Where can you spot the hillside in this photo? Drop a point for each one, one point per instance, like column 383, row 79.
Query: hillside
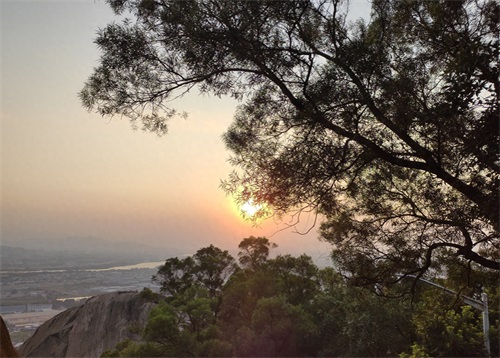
column 89, row 329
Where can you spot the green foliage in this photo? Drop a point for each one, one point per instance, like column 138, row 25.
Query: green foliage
column 210, row 267
column 149, row 295
column 163, row 325
column 129, row 348
column 416, row 352
column 436, row 309
column 215, row 348
column 240, row 298
column 298, row 277
column 145, row 350
column 357, row 322
column 194, row 309
column 110, row 353
column 287, row 306
column 493, row 293
column 282, row 329
column 175, row 275
column 448, row 331
column 254, row 251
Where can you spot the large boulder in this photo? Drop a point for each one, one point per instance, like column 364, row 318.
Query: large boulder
column 88, row 330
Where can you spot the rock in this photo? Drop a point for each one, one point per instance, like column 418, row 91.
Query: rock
column 90, row 329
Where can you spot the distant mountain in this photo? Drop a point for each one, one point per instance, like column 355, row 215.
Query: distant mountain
column 78, row 252
column 86, row 244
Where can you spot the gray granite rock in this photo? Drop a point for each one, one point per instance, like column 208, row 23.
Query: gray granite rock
column 88, row 330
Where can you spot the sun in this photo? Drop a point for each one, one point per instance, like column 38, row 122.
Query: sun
column 250, row 209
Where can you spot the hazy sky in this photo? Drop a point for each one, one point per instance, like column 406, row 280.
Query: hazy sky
column 67, row 172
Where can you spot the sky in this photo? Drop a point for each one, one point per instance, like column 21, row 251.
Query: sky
column 66, row 172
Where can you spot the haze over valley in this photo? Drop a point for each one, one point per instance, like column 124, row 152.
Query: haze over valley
column 38, row 282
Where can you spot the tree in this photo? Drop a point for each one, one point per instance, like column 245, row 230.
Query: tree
column 240, row 297
column 450, row 333
column 262, row 311
column 282, row 329
column 209, row 268
column 356, row 322
column 163, row 328
column 387, row 128
column 213, row 268
column 445, row 325
column 175, row 276
column 194, row 311
column 297, row 277
column 254, row 251
column 287, row 306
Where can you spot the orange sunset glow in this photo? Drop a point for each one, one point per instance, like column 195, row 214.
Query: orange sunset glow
column 250, row 209
column 71, row 173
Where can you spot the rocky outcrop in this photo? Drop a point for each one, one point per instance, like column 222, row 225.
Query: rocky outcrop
column 90, row 329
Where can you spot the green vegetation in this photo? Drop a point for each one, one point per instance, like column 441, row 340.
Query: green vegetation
column 287, row 306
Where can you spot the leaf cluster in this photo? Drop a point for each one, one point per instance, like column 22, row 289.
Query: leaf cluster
column 387, row 128
column 287, row 306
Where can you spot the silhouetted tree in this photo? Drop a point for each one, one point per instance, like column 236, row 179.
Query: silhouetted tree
column 298, row 277
column 387, row 127
column 213, row 268
column 175, row 275
column 254, row 251
column 209, row 268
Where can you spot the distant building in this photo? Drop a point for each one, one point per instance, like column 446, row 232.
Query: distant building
column 38, row 307
column 31, row 307
column 12, row 309
column 29, row 319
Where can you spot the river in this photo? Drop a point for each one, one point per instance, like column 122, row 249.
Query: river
column 143, row 265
